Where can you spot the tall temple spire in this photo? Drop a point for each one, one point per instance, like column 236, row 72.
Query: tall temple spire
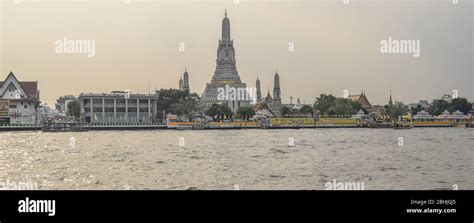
column 226, row 28
column 276, row 86
column 180, row 85
column 268, row 94
column 390, row 102
column 226, row 69
column 259, row 93
column 225, row 74
column 186, row 80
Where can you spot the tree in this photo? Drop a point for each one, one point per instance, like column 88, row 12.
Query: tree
column 218, row 112
column 324, row 102
column 178, row 102
column 285, row 111
column 330, row 105
column 356, row 106
column 245, row 112
column 306, row 110
column 447, row 103
column 346, row 106
column 73, row 109
column 438, row 106
column 295, row 112
column 395, row 110
column 61, row 102
column 460, row 104
column 188, row 106
column 417, row 109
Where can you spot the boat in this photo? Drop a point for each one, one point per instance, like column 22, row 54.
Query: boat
column 403, row 122
column 65, row 127
column 64, row 124
column 402, row 126
column 184, row 127
column 379, row 124
column 470, row 124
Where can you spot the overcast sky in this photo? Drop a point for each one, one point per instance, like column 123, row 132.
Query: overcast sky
column 336, row 46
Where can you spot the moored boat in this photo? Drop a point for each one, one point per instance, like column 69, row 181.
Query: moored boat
column 65, row 127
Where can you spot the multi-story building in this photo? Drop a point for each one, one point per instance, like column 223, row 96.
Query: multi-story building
column 22, row 100
column 118, row 107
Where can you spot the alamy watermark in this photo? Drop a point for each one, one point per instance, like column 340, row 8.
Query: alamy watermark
column 334, row 185
column 13, row 185
column 68, row 46
column 228, row 93
column 394, row 46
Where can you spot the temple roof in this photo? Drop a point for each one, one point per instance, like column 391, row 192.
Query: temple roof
column 30, row 87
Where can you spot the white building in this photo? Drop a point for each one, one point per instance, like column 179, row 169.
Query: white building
column 23, row 100
column 118, row 107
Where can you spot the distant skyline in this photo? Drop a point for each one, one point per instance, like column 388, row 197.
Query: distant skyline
column 336, row 46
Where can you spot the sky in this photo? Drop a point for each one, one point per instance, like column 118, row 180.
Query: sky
column 337, row 46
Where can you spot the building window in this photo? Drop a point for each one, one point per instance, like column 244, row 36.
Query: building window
column 12, row 88
column 86, row 102
column 26, row 106
column 13, row 106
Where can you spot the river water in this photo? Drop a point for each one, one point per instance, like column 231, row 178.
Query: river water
column 420, row 158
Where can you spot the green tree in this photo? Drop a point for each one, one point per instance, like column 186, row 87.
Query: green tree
column 344, row 106
column 306, row 110
column 447, row 103
column 218, row 111
column 324, row 103
column 295, row 112
column 61, row 102
column 438, row 106
column 397, row 109
column 460, row 104
column 417, row 109
column 73, row 109
column 178, row 102
column 188, row 106
column 245, row 112
column 285, row 111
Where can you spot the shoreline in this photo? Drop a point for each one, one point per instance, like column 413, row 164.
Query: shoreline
column 164, row 127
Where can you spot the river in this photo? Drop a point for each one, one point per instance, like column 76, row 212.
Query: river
column 420, row 158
